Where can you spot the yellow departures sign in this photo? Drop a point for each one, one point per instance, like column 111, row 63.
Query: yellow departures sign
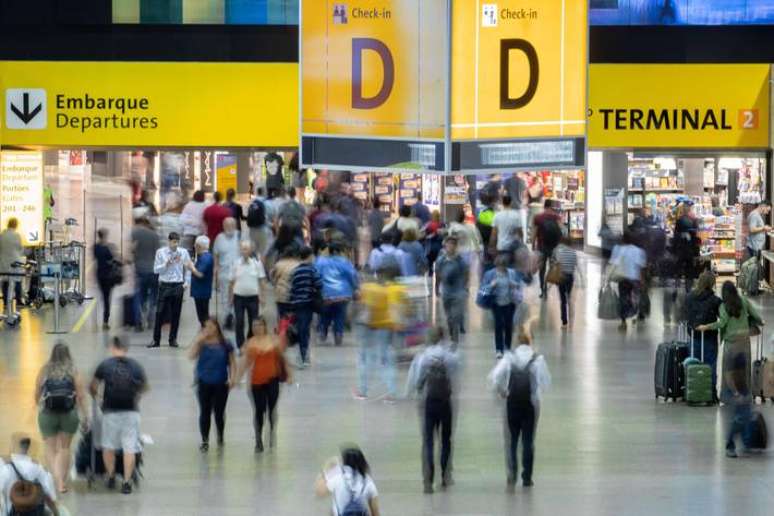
column 722, row 106
column 132, row 104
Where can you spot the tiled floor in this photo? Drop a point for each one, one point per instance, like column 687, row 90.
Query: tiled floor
column 605, row 447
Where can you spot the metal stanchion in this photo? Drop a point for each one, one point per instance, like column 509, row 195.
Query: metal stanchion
column 57, row 286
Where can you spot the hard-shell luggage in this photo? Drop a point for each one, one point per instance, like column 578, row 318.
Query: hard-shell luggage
column 669, row 372
column 698, row 379
column 749, row 277
column 762, row 375
column 128, row 318
column 759, row 435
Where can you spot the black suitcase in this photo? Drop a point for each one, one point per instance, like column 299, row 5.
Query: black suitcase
column 759, row 436
column 127, row 310
column 669, row 376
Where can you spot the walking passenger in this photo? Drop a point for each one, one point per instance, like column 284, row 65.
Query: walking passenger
column 145, row 243
column 415, row 252
column 214, row 215
column 19, row 466
column 628, row 261
column 452, row 273
column 237, row 212
column 281, row 276
column 547, row 232
column 757, row 222
column 247, row 280
column 520, row 378
column 506, row 287
column 375, row 222
column 340, row 285
column 108, row 272
column 201, row 279
column 265, row 359
column 215, row 373
column 567, row 258
column 124, row 382
column 305, row 293
column 348, row 481
column 192, row 218
column 173, row 267
column 61, row 397
column 504, row 226
column 225, row 250
column 702, row 306
column 433, row 374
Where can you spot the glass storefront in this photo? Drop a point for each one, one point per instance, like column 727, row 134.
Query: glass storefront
column 228, row 12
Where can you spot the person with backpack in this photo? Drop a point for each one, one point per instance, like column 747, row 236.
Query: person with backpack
column 433, row 374
column 260, row 233
column 25, row 486
column 237, row 212
column 505, row 285
column 124, row 381
column 61, row 396
column 215, row 372
column 348, row 480
column 109, row 272
column 547, row 233
column 293, row 215
column 520, row 378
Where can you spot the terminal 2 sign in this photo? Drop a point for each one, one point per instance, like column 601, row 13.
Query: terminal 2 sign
column 443, row 86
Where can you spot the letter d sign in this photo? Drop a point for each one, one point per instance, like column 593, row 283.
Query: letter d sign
column 506, row 45
column 358, row 46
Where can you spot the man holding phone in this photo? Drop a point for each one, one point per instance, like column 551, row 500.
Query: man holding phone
column 172, row 264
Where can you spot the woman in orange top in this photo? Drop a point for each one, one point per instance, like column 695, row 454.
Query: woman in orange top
column 265, row 359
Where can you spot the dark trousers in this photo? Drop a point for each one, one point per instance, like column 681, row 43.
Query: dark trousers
column 565, row 294
column 454, row 308
column 545, row 253
column 503, row 323
column 264, row 402
column 168, row 309
column 212, row 399
column 17, row 291
column 244, row 304
column 202, row 309
column 521, row 422
column 438, row 417
column 627, row 292
column 335, row 314
column 146, row 292
column 105, row 288
column 303, row 326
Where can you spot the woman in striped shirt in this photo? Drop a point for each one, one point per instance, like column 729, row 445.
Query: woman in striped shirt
column 567, row 258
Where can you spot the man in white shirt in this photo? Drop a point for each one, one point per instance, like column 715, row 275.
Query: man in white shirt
column 225, row 250
column 756, row 221
column 247, row 279
column 172, row 265
column 504, row 226
column 21, row 464
column 11, row 251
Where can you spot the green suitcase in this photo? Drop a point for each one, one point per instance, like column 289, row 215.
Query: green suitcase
column 698, row 378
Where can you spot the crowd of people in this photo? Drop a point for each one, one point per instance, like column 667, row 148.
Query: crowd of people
column 309, row 260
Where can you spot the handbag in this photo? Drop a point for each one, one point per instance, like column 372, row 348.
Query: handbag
column 282, row 368
column 485, row 297
column 607, row 309
column 115, row 272
column 555, row 274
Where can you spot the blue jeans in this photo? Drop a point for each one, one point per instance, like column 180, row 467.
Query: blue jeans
column 739, row 416
column 372, row 342
column 145, row 296
column 336, row 314
column 503, row 322
column 303, row 326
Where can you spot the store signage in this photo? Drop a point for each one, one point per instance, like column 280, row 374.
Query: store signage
column 226, row 172
column 679, row 106
column 21, row 187
column 519, row 69
column 104, row 104
column 518, row 155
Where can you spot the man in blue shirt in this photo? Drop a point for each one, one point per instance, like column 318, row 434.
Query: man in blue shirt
column 421, row 211
column 201, row 282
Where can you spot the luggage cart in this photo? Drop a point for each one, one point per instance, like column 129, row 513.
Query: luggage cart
column 66, row 260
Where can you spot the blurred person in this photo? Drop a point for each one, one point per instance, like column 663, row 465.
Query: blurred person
column 547, row 232
column 686, row 243
column 452, row 273
column 340, row 285
column 108, row 272
column 609, row 241
column 506, row 287
column 434, row 233
column 145, row 207
column 703, row 307
column 735, row 319
column 145, row 243
column 375, row 218
column 628, row 261
column 416, row 253
column 260, row 230
column 21, row 467
column 202, row 273
column 305, row 291
column 124, row 381
column 315, row 211
column 192, row 218
column 171, row 219
column 403, row 222
column 281, row 277
column 504, row 226
column 420, row 211
column 484, row 222
column 172, row 265
column 216, row 369
column 516, row 188
column 237, row 212
column 264, row 358
column 348, row 481
column 293, row 214
column 388, row 252
column 225, row 250
column 287, row 240
column 520, row 378
column 274, row 178
column 11, row 251
column 347, row 204
column 61, row 397
column 384, row 303
column 434, row 375
column 300, row 178
column 756, row 221
column 717, row 210
column 468, row 238
column 567, row 258
column 214, row 215
column 248, row 278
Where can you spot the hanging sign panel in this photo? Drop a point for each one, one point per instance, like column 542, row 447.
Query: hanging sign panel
column 21, row 183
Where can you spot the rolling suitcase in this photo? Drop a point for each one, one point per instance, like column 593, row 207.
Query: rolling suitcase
column 762, row 375
column 669, row 372
column 759, row 435
column 127, row 312
column 698, row 379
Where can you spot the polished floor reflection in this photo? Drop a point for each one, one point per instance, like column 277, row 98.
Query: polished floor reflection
column 605, row 446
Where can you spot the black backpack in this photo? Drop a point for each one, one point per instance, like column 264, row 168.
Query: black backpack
column 551, row 233
column 256, row 214
column 436, row 382
column 121, row 386
column 59, row 394
column 355, row 506
column 520, row 384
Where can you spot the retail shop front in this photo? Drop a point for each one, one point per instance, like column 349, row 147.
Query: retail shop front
column 663, row 134
column 81, row 141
